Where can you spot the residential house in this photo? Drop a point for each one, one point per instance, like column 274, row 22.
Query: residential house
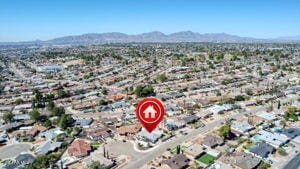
column 51, row 134
column 120, row 104
column 289, row 132
column 98, row 134
column 216, row 109
column 194, row 151
column 241, row 128
column 79, row 148
column 3, row 137
column 10, row 126
column 261, row 149
column 152, row 137
column 47, row 147
column 21, row 160
column 179, row 161
column 117, row 96
column 273, row 139
column 110, row 121
column 172, row 124
column 22, row 107
column 21, row 117
column 129, row 130
column 190, row 119
column 246, row 161
column 28, row 133
column 83, row 122
column 85, row 105
column 266, row 116
column 204, row 103
column 212, row 141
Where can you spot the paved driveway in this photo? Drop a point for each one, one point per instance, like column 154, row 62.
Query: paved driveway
column 14, row 150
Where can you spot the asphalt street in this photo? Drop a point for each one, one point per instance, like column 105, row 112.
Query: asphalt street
column 147, row 157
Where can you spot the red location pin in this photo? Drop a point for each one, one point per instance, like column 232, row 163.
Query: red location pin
column 150, row 112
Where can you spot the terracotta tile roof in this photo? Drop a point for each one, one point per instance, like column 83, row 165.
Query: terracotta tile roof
column 129, row 129
column 79, row 148
column 85, row 105
column 116, row 97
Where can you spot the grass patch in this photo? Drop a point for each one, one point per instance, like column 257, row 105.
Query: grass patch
column 282, row 151
column 248, row 144
column 197, row 124
column 174, row 150
column 96, row 144
column 206, row 159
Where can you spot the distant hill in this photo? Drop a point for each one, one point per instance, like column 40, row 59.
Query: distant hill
column 290, row 38
column 156, row 36
column 115, row 37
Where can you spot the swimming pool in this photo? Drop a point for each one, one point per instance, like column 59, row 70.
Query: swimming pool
column 255, row 137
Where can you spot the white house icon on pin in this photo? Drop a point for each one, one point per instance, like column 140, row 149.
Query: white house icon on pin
column 150, row 111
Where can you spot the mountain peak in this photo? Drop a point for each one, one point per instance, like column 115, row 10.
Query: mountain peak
column 154, row 36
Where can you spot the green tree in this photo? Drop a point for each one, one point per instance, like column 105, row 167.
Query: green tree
column 47, row 123
column 147, row 91
column 38, row 100
column 186, row 76
column 35, row 115
column 19, row 101
column 62, row 93
column 104, row 91
column 263, row 165
column 7, row 117
column 41, row 161
column 283, row 123
column 58, row 111
column 279, row 105
column 291, row 114
column 50, row 105
column 249, row 92
column 239, row 98
column 162, row 77
column 178, row 149
column 65, row 121
column 33, row 70
column 103, row 102
column 97, row 165
column 281, row 151
column 224, row 131
column 138, row 90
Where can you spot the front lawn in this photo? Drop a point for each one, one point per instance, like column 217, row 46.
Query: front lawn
column 174, row 150
column 96, row 144
column 206, row 159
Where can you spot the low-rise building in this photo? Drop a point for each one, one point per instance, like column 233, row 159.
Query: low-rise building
column 47, row 147
column 261, row 149
column 212, row 141
column 152, row 137
column 79, row 148
column 179, row 161
column 241, row 128
column 194, row 151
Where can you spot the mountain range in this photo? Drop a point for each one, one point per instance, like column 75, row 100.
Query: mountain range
column 156, row 36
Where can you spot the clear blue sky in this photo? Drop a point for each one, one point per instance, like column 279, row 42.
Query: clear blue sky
column 22, row 20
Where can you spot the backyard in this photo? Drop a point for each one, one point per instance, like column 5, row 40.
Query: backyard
column 206, row 159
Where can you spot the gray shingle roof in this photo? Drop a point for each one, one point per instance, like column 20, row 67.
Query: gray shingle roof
column 247, row 161
column 261, row 149
column 46, row 147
